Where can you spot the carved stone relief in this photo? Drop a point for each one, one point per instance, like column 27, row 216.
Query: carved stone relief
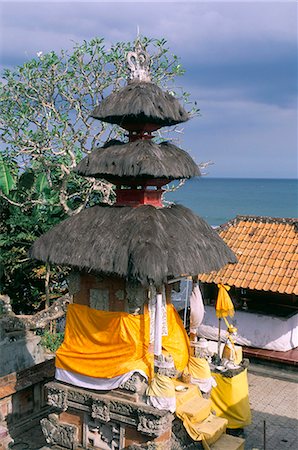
column 136, row 297
column 100, row 410
column 56, row 433
column 74, row 282
column 103, row 436
column 136, row 383
column 154, row 426
column 57, row 398
column 77, row 397
column 122, row 408
column 99, row 299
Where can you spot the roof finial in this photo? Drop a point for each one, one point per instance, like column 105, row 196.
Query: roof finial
column 139, row 62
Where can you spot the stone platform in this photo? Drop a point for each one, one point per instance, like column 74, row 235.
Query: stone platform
column 103, row 420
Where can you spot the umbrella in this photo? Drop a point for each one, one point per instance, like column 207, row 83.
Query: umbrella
column 224, row 307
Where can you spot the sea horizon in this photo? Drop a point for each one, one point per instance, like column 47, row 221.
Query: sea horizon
column 218, row 200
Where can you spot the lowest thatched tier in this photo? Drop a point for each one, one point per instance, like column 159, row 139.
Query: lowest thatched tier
column 141, row 158
column 144, row 244
column 138, row 104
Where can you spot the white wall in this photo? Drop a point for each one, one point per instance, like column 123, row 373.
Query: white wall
column 254, row 330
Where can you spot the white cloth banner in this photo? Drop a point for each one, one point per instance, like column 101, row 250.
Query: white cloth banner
column 99, row 384
column 197, row 310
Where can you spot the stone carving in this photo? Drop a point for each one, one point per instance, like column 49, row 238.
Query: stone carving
column 102, row 435
column 119, row 294
column 100, row 410
column 164, row 365
column 122, row 408
column 57, row 398
column 153, row 425
column 99, row 299
column 136, row 384
column 139, row 64
column 136, row 297
column 78, row 397
column 56, row 433
column 74, row 282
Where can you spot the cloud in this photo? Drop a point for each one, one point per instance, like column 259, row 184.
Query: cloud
column 240, row 60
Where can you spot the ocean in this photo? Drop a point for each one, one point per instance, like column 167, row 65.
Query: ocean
column 218, row 200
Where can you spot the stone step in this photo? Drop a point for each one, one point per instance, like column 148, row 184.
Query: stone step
column 228, row 442
column 196, row 409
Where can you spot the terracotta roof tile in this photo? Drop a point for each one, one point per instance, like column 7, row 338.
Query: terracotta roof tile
column 267, row 251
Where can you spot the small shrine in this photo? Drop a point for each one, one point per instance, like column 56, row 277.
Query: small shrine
column 117, row 379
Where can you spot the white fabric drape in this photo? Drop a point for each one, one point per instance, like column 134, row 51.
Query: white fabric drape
column 197, row 310
column 100, row 384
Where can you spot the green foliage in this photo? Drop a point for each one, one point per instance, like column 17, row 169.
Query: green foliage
column 6, row 178
column 45, row 130
column 51, row 341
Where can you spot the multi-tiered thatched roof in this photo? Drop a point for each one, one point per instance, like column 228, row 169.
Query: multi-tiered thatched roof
column 142, row 243
column 146, row 244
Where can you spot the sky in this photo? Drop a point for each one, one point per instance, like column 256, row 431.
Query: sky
column 240, row 60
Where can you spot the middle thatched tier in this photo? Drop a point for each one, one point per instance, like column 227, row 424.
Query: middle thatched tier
column 141, row 158
column 143, row 244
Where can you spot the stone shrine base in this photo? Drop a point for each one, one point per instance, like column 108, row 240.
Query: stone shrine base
column 103, row 420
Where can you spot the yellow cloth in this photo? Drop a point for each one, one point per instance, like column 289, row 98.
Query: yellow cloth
column 224, row 306
column 199, row 367
column 177, row 342
column 209, row 430
column 238, row 355
column 194, row 412
column 184, row 396
column 161, row 386
column 104, row 344
column 230, row 399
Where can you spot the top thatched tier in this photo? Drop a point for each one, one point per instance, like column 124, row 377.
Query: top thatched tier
column 141, row 158
column 139, row 104
column 143, row 244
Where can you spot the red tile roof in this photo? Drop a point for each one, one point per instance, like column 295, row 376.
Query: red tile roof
column 267, row 252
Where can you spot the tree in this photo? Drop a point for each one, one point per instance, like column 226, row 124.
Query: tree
column 45, row 131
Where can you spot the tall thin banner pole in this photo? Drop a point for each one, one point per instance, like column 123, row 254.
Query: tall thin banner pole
column 218, row 348
column 186, row 302
column 158, row 326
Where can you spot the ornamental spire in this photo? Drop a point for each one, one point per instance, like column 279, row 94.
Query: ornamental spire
column 138, row 62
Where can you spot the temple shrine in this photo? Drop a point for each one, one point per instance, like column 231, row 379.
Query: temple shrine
column 118, row 372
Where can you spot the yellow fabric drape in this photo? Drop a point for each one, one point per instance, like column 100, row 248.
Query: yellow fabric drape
column 224, row 305
column 199, row 367
column 230, row 399
column 177, row 342
column 104, row 344
column 208, row 431
column 194, row 412
column 161, row 386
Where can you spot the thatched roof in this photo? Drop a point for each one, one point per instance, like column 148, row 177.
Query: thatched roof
column 144, row 243
column 141, row 158
column 143, row 102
